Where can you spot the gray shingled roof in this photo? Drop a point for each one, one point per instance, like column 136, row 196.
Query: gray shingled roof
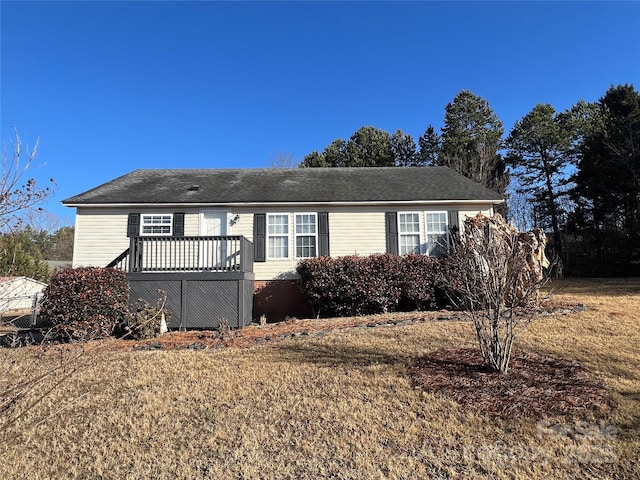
column 300, row 185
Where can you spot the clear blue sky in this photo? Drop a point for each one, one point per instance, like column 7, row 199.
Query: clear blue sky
column 109, row 87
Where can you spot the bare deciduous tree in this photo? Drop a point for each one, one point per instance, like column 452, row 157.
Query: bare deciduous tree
column 19, row 194
column 495, row 274
column 282, row 160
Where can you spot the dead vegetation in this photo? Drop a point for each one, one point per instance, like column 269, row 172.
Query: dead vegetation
column 495, row 274
column 338, row 403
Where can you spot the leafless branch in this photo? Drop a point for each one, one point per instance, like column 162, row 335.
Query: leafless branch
column 18, row 193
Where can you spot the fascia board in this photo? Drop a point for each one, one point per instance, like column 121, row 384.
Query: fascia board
column 284, row 204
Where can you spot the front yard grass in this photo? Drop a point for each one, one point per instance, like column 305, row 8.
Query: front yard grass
column 341, row 405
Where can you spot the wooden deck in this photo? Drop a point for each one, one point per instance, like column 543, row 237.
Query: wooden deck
column 186, row 254
column 207, row 279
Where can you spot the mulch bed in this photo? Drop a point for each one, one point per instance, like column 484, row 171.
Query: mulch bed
column 534, row 386
column 255, row 334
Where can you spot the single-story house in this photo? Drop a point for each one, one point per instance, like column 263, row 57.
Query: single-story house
column 226, row 241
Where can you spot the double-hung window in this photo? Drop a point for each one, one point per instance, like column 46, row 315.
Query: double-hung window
column 156, row 224
column 278, row 236
column 306, row 235
column 409, row 232
column 436, row 228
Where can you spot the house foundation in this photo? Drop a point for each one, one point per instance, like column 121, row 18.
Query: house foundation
column 278, row 299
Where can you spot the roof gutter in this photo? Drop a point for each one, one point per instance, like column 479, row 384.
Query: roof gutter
column 285, row 204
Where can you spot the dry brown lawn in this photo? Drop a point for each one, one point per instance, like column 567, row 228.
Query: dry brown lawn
column 340, row 405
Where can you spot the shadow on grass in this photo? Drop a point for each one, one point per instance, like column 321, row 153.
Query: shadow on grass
column 598, row 286
column 335, row 354
column 609, row 363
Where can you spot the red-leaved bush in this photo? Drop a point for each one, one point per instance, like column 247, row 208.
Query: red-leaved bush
column 380, row 283
column 420, row 280
column 86, row 303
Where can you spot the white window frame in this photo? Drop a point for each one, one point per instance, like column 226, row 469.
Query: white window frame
column 286, row 235
column 144, row 216
column 296, row 235
column 420, row 248
column 428, row 246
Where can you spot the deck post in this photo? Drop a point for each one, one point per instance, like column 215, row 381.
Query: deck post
column 133, row 254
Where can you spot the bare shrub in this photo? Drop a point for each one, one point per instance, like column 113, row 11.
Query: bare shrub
column 224, row 329
column 495, row 273
column 25, row 383
column 148, row 321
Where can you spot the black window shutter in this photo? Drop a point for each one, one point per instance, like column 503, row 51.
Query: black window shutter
column 259, row 237
column 453, row 219
column 178, row 224
column 133, row 225
column 323, row 234
column 392, row 232
column 454, row 228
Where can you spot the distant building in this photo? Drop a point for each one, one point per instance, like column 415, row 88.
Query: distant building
column 18, row 293
column 55, row 265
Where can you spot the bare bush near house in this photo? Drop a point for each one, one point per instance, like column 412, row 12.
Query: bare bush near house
column 495, row 273
column 148, row 321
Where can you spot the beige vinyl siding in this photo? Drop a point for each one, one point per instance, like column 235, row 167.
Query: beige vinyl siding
column 101, row 233
column 271, row 268
column 191, row 220
column 244, row 225
column 464, row 214
column 177, row 254
column 100, row 236
column 357, row 232
column 352, row 231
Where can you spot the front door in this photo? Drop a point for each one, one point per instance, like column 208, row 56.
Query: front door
column 213, row 253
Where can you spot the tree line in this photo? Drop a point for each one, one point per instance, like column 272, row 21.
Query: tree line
column 574, row 173
column 25, row 252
